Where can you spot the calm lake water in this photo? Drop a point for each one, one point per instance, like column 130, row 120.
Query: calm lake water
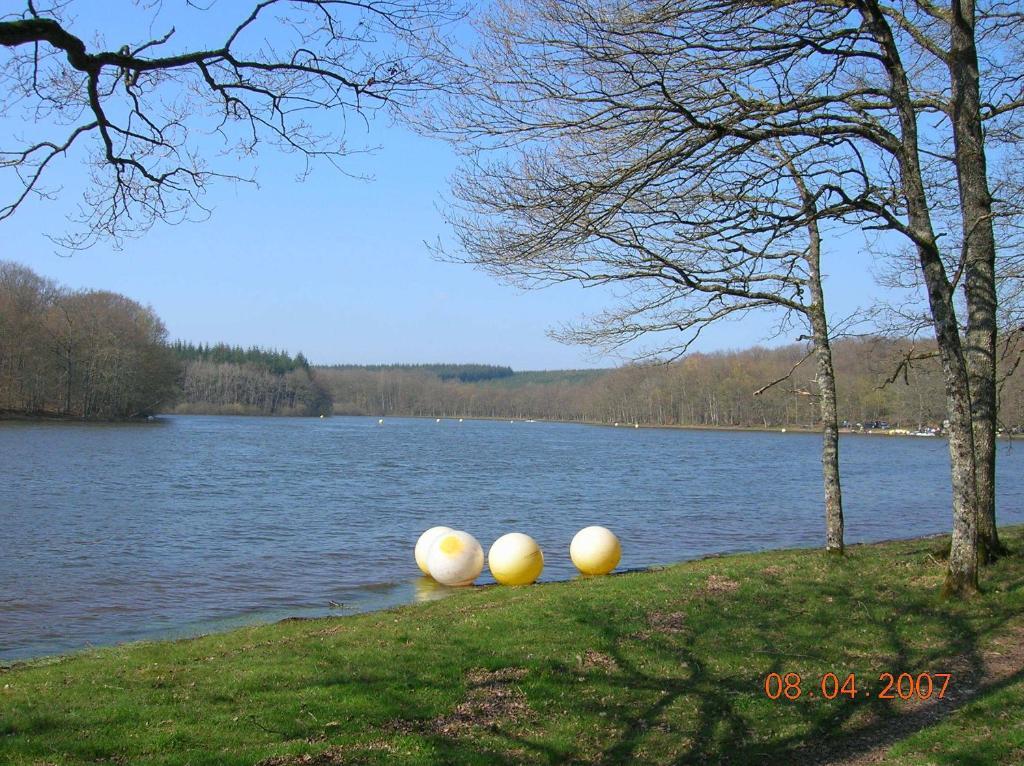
column 111, row 533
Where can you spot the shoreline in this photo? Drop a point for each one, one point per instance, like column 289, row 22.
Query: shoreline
column 20, row 417
column 606, row 669
column 51, row 417
column 797, row 429
column 436, row 592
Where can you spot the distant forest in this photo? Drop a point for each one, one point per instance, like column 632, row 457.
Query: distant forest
column 466, row 373
column 97, row 354
column 94, row 354
column 277, row 362
column 79, row 353
column 716, row 390
column 231, row 380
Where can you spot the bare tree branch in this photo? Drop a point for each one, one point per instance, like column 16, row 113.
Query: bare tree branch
column 147, row 117
column 785, row 377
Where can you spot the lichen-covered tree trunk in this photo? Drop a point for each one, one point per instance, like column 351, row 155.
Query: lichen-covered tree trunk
column 962, row 572
column 834, row 524
column 979, row 264
column 815, row 312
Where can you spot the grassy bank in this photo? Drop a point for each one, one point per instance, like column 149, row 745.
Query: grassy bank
column 656, row 667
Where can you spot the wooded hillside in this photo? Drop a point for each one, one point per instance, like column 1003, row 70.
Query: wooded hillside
column 231, row 380
column 79, row 353
column 466, row 373
column 97, row 354
column 716, row 389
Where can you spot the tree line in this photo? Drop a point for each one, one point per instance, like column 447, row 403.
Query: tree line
column 713, row 389
column 230, row 380
column 467, row 373
column 250, row 388
column 276, row 361
column 79, row 353
column 95, row 354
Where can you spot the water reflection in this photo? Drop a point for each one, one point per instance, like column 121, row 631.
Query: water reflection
column 429, row 589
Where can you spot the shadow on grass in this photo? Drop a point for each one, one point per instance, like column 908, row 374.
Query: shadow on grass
column 720, row 725
column 668, row 670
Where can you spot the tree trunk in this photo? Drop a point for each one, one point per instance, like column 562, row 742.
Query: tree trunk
column 962, row 574
column 834, row 524
column 830, row 431
column 979, row 264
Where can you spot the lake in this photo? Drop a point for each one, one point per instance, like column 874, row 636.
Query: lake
column 193, row 524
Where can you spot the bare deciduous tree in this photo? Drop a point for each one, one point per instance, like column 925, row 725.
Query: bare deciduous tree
column 663, row 90
column 964, row 71
column 613, row 183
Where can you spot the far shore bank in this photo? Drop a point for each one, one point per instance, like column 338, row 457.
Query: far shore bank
column 36, row 417
column 51, row 417
column 800, row 429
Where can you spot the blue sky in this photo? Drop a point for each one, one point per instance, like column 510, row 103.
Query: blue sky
column 337, row 267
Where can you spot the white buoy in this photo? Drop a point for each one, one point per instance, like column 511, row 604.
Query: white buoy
column 595, row 550
column 515, row 559
column 438, row 420
column 460, row 420
column 423, row 546
column 636, row 425
column 455, row 558
column 380, row 422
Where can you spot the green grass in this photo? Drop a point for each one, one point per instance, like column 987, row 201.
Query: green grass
column 657, row 667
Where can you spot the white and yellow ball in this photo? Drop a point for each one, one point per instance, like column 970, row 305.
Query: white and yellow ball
column 515, row 559
column 595, row 551
column 423, row 546
column 455, row 558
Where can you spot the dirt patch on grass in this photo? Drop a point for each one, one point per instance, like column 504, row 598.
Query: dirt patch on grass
column 332, row 756
column 326, row 758
column 493, row 697
column 594, row 660
column 667, row 622
column 717, row 585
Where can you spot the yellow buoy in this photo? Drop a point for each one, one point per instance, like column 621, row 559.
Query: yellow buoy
column 423, row 545
column 455, row 558
column 595, row 551
column 515, row 559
